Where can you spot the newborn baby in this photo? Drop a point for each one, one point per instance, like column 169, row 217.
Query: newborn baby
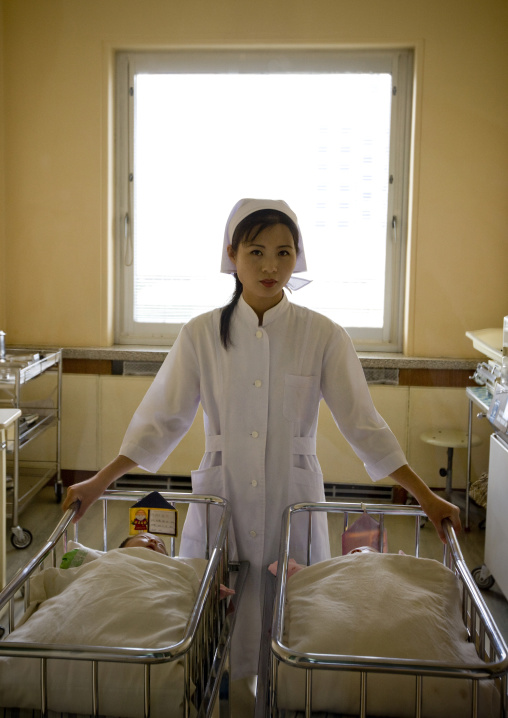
column 294, row 567
column 154, row 543
column 145, row 540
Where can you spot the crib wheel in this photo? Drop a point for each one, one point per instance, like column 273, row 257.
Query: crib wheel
column 22, row 538
column 483, row 578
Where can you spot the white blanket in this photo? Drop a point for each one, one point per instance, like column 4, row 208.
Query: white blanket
column 129, row 597
column 383, row 605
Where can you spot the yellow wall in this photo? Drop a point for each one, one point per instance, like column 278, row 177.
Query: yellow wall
column 57, row 157
column 3, row 306
column 96, row 411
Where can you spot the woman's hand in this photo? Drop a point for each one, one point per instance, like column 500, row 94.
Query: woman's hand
column 87, row 492
column 436, row 508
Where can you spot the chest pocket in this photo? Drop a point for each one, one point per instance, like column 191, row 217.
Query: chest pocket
column 301, row 393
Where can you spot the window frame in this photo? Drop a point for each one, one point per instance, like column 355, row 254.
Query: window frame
column 398, row 62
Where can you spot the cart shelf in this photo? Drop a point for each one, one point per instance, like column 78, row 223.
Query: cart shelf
column 27, row 478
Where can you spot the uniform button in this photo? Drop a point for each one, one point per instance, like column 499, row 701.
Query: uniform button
column 258, row 383
column 253, row 534
column 255, row 434
column 259, row 334
column 254, row 482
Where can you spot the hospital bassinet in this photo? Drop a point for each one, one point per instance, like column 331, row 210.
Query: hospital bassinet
column 201, row 654
column 320, row 679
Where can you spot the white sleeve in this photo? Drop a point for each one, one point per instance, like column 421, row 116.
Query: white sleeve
column 167, row 410
column 346, row 393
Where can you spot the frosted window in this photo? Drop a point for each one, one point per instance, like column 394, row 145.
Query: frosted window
column 201, row 141
column 325, row 153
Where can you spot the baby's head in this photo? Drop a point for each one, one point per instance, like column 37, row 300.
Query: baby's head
column 362, row 549
column 145, row 540
column 368, row 549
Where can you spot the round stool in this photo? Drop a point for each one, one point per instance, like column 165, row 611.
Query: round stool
column 451, row 439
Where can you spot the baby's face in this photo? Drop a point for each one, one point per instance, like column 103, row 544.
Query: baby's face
column 150, row 541
column 364, row 549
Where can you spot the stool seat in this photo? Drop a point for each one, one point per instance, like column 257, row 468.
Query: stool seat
column 449, row 438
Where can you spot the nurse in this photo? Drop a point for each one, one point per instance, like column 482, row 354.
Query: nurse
column 259, row 367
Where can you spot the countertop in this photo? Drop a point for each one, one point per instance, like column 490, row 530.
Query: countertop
column 142, row 353
column 488, row 342
column 8, row 416
column 368, row 359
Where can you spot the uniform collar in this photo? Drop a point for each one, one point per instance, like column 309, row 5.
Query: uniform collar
column 247, row 314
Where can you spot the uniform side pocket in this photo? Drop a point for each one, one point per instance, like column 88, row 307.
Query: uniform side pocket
column 305, row 485
column 209, row 482
column 308, row 486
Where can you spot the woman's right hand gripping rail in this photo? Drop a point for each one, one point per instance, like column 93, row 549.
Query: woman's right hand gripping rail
column 87, row 492
column 436, row 508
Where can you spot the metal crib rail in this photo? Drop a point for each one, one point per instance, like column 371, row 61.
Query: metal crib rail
column 147, row 655
column 488, row 627
column 204, row 619
column 496, row 666
column 20, row 578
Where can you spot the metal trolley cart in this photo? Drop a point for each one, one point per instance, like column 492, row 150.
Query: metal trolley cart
column 489, row 671
column 203, row 650
column 23, row 378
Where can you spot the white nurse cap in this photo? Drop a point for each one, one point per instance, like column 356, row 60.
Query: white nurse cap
column 240, row 211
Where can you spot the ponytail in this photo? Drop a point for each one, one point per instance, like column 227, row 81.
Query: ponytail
column 227, row 313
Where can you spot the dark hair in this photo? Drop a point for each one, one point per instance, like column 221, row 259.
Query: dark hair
column 126, row 541
column 246, row 231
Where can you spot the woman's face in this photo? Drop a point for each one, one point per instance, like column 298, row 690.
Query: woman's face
column 150, row 541
column 264, row 266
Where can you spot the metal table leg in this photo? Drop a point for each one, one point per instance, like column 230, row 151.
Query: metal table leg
column 468, row 474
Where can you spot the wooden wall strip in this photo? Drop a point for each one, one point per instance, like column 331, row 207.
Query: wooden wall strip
column 407, row 377
column 72, row 476
column 86, row 366
column 436, row 377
